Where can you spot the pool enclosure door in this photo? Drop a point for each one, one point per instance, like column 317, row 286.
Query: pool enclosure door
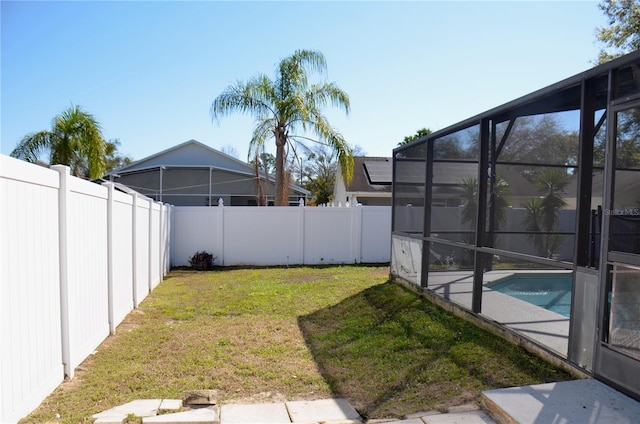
column 617, row 352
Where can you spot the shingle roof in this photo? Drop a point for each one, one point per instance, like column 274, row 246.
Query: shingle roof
column 371, row 174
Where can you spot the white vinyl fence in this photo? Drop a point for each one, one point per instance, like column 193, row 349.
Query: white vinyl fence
column 75, row 258
column 282, row 235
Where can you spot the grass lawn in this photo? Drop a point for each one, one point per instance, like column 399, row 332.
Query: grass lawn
column 260, row 335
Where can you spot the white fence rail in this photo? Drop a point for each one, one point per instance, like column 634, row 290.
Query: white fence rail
column 75, row 258
column 282, row 235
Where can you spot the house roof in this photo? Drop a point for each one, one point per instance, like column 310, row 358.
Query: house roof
column 375, row 174
column 192, row 154
column 371, row 174
column 452, row 173
column 189, row 153
column 626, row 187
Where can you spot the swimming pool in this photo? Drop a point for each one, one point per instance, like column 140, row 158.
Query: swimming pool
column 549, row 291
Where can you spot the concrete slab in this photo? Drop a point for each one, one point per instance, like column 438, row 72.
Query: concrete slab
column 115, row 419
column 257, row 413
column 170, row 405
column 325, row 411
column 422, row 414
column 471, row 417
column 580, row 401
column 139, row 408
column 194, row 416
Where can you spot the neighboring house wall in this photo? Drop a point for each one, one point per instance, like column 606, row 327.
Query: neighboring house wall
column 193, row 174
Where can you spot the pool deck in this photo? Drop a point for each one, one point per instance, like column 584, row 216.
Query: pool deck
column 541, row 325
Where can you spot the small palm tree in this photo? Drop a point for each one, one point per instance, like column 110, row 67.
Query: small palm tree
column 75, row 140
column 542, row 213
column 468, row 189
column 285, row 106
column 533, row 224
column 551, row 185
column 501, row 191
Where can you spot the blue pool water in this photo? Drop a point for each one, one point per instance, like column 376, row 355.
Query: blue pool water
column 552, row 292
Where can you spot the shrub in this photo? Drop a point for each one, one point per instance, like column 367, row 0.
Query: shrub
column 202, row 261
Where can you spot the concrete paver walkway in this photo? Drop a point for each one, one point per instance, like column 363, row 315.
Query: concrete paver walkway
column 329, row 411
column 577, row 402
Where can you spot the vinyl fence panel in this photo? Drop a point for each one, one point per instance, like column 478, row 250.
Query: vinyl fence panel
column 154, row 248
column 193, row 229
column 30, row 352
column 376, row 240
column 86, row 282
column 121, row 250
column 281, row 235
column 329, row 234
column 141, row 226
column 68, row 273
column 268, row 236
column 165, row 239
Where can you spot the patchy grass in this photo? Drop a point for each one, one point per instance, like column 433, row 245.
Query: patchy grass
column 296, row 333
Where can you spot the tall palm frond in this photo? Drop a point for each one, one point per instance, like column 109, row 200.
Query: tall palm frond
column 32, row 146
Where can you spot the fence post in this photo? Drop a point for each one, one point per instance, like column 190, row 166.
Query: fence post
column 134, row 247
column 110, row 188
column 301, row 237
column 222, row 230
column 170, row 235
column 161, row 243
column 150, row 244
column 63, row 194
column 356, row 241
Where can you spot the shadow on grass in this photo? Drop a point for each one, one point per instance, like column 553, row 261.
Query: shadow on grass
column 391, row 353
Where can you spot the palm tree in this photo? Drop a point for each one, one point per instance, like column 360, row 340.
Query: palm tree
column 286, row 105
column 75, row 140
column 551, row 185
column 542, row 213
column 468, row 189
column 533, row 224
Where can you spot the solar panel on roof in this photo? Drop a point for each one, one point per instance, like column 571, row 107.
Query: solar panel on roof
column 378, row 172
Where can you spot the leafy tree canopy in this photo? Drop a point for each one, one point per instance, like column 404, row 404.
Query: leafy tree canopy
column 319, row 172
column 408, row 139
column 113, row 158
column 623, row 33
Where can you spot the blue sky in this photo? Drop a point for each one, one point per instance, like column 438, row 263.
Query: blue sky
column 149, row 71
